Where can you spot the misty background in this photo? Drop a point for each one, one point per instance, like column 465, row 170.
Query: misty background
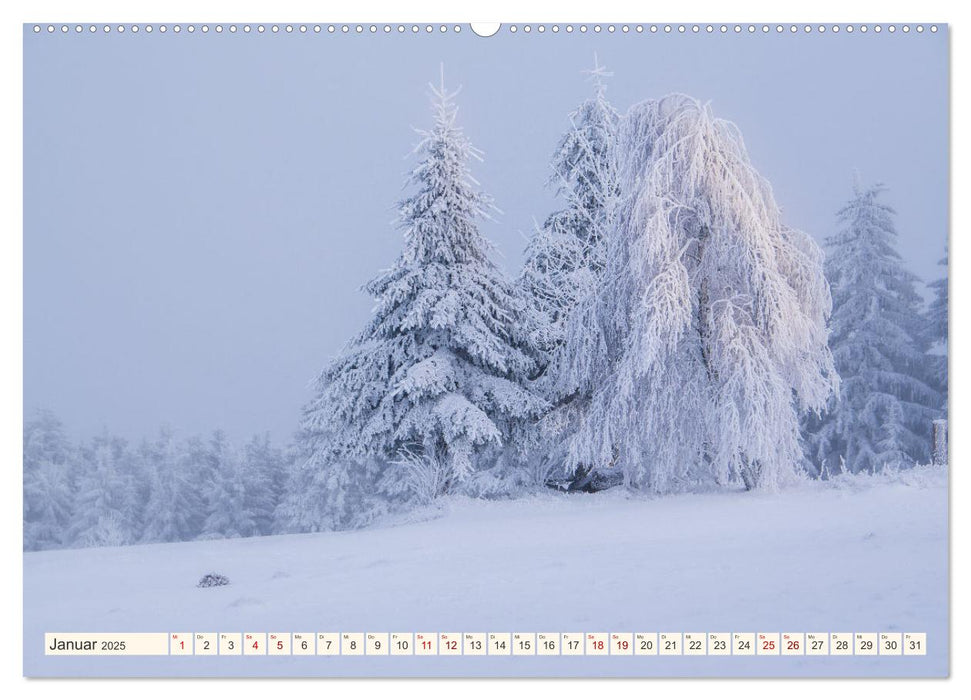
column 200, row 211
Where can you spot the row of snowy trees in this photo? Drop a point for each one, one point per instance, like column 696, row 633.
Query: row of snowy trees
column 105, row 492
column 667, row 330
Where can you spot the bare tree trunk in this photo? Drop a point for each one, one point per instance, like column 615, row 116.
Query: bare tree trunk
column 704, row 310
column 751, row 473
column 704, row 333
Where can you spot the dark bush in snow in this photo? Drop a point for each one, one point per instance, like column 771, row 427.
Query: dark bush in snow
column 210, row 580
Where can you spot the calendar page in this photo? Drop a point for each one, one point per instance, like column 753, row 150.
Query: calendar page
column 511, row 350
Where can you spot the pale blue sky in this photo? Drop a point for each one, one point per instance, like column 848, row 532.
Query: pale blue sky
column 201, row 210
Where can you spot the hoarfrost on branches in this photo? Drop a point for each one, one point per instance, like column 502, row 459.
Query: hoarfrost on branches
column 707, row 337
column 566, row 256
column 563, row 267
column 667, row 331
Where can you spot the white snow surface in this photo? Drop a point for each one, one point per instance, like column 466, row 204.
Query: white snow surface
column 857, row 554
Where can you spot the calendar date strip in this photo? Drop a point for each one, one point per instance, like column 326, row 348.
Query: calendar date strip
column 486, row 644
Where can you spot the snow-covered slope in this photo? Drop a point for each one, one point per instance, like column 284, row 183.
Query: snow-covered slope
column 869, row 555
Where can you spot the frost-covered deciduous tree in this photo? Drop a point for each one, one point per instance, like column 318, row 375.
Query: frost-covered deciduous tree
column 436, row 371
column 566, row 256
column 48, row 482
column 707, row 338
column 879, row 338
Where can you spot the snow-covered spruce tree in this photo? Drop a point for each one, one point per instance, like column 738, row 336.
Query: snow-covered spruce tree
column 566, row 256
column 48, row 484
column 436, row 372
column 244, row 488
column 707, row 338
column 565, row 261
column 879, row 338
column 174, row 509
column 263, row 471
column 937, row 318
column 225, row 493
column 320, row 496
column 937, row 312
column 106, row 508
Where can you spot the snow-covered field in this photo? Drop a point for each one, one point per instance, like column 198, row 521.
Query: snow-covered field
column 870, row 555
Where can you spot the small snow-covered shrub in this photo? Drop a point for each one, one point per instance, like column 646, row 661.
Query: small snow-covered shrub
column 920, row 476
column 423, row 476
column 106, row 532
column 212, row 580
